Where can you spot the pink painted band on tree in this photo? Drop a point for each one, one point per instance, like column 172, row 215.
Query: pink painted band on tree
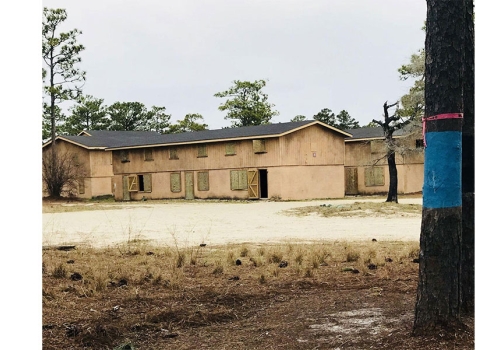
column 438, row 117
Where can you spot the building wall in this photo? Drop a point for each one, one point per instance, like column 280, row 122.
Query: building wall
column 306, row 182
column 101, row 174
column 363, row 154
column 313, row 154
column 312, row 146
column 97, row 168
column 284, row 182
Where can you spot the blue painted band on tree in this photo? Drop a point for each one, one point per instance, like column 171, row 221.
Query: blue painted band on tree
column 442, row 184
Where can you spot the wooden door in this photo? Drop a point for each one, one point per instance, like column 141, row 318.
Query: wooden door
column 126, row 192
column 351, row 181
column 189, row 185
column 252, row 177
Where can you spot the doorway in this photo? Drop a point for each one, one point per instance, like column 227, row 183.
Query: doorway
column 351, row 181
column 189, row 185
column 263, row 183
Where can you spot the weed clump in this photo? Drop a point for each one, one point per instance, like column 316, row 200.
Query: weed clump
column 244, row 252
column 275, row 257
column 59, row 271
column 352, row 256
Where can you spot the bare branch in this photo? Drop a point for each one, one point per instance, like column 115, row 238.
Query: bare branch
column 379, row 159
column 392, row 105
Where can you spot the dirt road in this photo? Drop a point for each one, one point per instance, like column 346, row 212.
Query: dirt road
column 214, row 223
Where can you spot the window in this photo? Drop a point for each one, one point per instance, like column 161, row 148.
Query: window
column 145, row 183
column 230, row 149
column 238, row 180
column 374, row 176
column 202, row 151
column 173, row 153
column 202, row 181
column 140, row 183
column 81, row 186
column 419, row 143
column 148, row 154
column 259, row 146
column 378, row 146
column 124, row 156
column 175, row 183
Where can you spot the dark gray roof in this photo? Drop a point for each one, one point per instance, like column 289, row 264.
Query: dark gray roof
column 370, row 133
column 125, row 139
column 227, row 133
column 106, row 139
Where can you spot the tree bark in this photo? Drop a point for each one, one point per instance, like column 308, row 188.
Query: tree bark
column 392, row 171
column 53, row 124
column 392, row 166
column 468, row 167
column 438, row 293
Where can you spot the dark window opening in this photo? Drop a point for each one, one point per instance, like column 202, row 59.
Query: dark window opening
column 141, row 183
column 419, row 143
column 263, row 183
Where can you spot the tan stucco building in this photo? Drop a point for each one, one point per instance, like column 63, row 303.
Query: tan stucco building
column 289, row 161
column 366, row 168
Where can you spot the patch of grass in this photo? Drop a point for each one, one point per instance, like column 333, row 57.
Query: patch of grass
column 299, row 257
column 244, row 251
column 352, row 255
column 59, row 271
column 161, row 297
column 261, row 251
column 308, row 273
column 218, row 270
column 275, row 256
column 413, row 253
column 231, row 257
column 358, row 209
column 275, row 272
column 319, row 257
column 180, row 260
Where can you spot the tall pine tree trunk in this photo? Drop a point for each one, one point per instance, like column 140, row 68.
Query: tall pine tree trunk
column 53, row 130
column 438, row 293
column 468, row 166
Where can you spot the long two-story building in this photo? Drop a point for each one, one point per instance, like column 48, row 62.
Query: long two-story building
column 289, row 161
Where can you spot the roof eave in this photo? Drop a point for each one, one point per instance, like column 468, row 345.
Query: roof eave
column 194, row 142
column 372, row 138
column 75, row 143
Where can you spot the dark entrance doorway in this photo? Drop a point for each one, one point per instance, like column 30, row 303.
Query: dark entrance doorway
column 263, row 183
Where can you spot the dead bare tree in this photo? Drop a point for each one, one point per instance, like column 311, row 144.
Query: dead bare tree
column 389, row 126
column 61, row 173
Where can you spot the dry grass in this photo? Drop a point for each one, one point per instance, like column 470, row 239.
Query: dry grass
column 154, row 297
column 359, row 209
column 64, row 205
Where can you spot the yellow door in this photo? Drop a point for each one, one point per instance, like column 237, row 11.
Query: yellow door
column 252, row 184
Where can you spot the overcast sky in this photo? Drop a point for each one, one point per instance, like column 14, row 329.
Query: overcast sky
column 315, row 54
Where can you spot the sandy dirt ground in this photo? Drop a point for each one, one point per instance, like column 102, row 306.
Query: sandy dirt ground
column 190, row 223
